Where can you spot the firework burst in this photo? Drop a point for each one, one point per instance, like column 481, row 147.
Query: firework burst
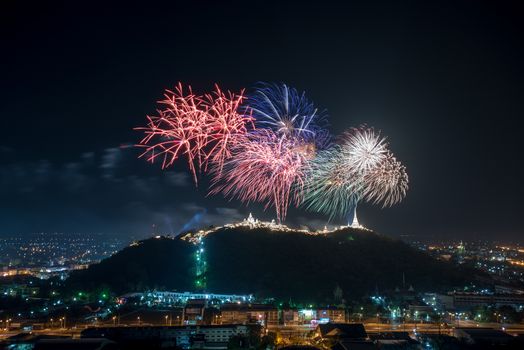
column 225, row 124
column 202, row 128
column 329, row 187
column 289, row 114
column 386, row 183
column 362, row 149
column 360, row 168
column 265, row 168
column 287, row 159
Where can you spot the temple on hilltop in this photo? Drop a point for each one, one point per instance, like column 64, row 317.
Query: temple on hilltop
column 250, row 220
column 355, row 223
column 255, row 223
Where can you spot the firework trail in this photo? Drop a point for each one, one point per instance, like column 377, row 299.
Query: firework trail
column 201, row 128
column 264, row 168
column 289, row 114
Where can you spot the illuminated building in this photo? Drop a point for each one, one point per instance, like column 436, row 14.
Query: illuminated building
column 166, row 298
column 194, row 311
column 264, row 315
column 252, row 223
column 471, row 300
column 331, row 314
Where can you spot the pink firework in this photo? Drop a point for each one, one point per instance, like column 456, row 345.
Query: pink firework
column 264, row 168
column 226, row 125
column 201, row 128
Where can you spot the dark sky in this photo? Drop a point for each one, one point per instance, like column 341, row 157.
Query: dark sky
column 443, row 80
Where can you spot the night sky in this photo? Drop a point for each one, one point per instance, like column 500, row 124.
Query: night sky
column 443, row 80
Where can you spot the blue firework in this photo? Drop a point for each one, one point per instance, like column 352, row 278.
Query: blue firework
column 288, row 113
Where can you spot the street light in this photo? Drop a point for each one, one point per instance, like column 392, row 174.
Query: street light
column 138, row 318
column 166, row 317
column 114, row 320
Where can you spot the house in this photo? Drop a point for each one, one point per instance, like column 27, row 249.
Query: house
column 355, row 331
column 185, row 337
column 482, row 336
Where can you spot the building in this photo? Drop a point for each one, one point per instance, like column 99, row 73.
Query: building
column 354, row 331
column 483, row 336
column 262, row 314
column 465, row 301
column 331, row 314
column 290, row 317
column 166, row 298
column 194, row 311
column 185, row 337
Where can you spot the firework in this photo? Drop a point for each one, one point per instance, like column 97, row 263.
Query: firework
column 360, row 168
column 386, row 183
column 289, row 114
column 264, row 168
column 329, row 187
column 201, row 128
column 287, row 159
column 225, row 124
column 362, row 149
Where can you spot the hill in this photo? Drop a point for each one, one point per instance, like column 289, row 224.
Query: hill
column 283, row 265
column 150, row 264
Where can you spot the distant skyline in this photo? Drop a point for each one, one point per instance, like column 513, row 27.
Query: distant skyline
column 443, row 80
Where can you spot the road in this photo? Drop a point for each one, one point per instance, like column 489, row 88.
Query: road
column 302, row 331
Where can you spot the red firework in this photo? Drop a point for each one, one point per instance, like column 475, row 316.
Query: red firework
column 201, row 128
column 264, row 168
column 225, row 124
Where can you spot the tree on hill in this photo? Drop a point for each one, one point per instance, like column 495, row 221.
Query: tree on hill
column 288, row 266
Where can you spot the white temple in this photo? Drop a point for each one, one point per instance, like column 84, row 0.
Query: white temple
column 355, row 223
column 253, row 223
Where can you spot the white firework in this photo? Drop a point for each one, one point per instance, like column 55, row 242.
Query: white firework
column 387, row 183
column 362, row 150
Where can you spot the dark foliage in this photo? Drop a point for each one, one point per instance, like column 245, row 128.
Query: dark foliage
column 153, row 264
column 308, row 268
column 296, row 266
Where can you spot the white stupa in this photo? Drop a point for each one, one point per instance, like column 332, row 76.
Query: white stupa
column 355, row 223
